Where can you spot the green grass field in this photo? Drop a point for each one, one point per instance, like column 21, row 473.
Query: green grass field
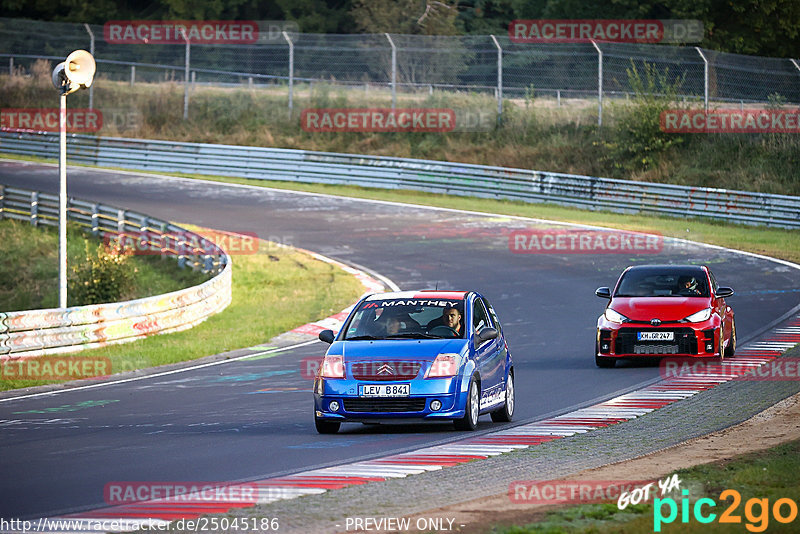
column 29, row 271
column 275, row 290
column 535, row 133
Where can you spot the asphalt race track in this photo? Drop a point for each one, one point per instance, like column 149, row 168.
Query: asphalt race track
column 252, row 419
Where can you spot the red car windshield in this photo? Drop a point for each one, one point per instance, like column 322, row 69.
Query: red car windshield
column 649, row 283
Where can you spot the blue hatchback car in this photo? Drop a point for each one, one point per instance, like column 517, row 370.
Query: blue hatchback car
column 415, row 356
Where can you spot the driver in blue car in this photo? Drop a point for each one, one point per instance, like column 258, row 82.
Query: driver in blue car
column 450, row 318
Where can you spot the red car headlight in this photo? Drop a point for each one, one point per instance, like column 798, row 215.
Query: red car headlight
column 615, row 316
column 699, row 317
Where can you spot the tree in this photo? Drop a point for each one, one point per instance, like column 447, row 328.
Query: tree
column 482, row 17
column 413, row 17
column 760, row 27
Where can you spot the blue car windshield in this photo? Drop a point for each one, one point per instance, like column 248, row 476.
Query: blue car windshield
column 406, row 319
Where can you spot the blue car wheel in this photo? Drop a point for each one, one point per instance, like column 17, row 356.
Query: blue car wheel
column 504, row 414
column 327, row 427
column 471, row 410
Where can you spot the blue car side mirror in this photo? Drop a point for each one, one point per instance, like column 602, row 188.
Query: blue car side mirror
column 327, row 336
column 485, row 335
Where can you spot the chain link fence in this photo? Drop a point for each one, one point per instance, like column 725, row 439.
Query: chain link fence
column 414, row 63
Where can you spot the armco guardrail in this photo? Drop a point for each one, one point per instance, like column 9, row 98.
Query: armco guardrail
column 398, row 173
column 39, row 332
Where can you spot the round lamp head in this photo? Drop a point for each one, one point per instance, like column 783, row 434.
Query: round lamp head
column 77, row 72
column 80, row 67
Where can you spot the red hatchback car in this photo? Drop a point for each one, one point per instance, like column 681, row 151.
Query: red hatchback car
column 665, row 310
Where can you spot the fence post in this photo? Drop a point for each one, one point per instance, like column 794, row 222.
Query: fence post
column 599, row 84
column 186, row 78
column 11, row 66
column 63, row 203
column 291, row 72
column 705, row 78
column 120, row 221
column 394, row 70
column 133, row 75
column 95, row 219
column 499, row 79
column 91, row 51
column 2, row 200
column 35, row 208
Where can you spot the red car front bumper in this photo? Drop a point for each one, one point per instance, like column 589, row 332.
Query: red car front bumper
column 630, row 340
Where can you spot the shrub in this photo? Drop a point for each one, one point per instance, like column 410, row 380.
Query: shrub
column 637, row 138
column 105, row 276
column 776, row 101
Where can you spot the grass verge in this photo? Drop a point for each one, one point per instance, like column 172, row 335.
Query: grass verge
column 766, row 477
column 29, row 271
column 535, row 133
column 274, row 290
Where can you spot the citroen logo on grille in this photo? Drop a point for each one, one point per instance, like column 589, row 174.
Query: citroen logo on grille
column 385, row 369
column 655, row 322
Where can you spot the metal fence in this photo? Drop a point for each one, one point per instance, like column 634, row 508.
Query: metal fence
column 410, row 63
column 39, row 332
column 400, row 173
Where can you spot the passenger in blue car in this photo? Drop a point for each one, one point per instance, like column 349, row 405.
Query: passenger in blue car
column 393, row 325
column 397, row 323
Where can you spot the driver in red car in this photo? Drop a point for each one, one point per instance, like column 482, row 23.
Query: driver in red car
column 688, row 286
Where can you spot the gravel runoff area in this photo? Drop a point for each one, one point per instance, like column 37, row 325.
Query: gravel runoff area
column 708, row 411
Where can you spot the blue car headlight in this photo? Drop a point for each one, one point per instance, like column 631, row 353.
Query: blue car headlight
column 445, row 365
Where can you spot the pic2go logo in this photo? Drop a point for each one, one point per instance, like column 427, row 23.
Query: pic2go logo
column 757, row 511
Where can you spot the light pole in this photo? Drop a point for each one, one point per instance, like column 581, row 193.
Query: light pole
column 76, row 72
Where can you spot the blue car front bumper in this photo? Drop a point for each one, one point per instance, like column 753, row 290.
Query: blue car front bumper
column 417, row 405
